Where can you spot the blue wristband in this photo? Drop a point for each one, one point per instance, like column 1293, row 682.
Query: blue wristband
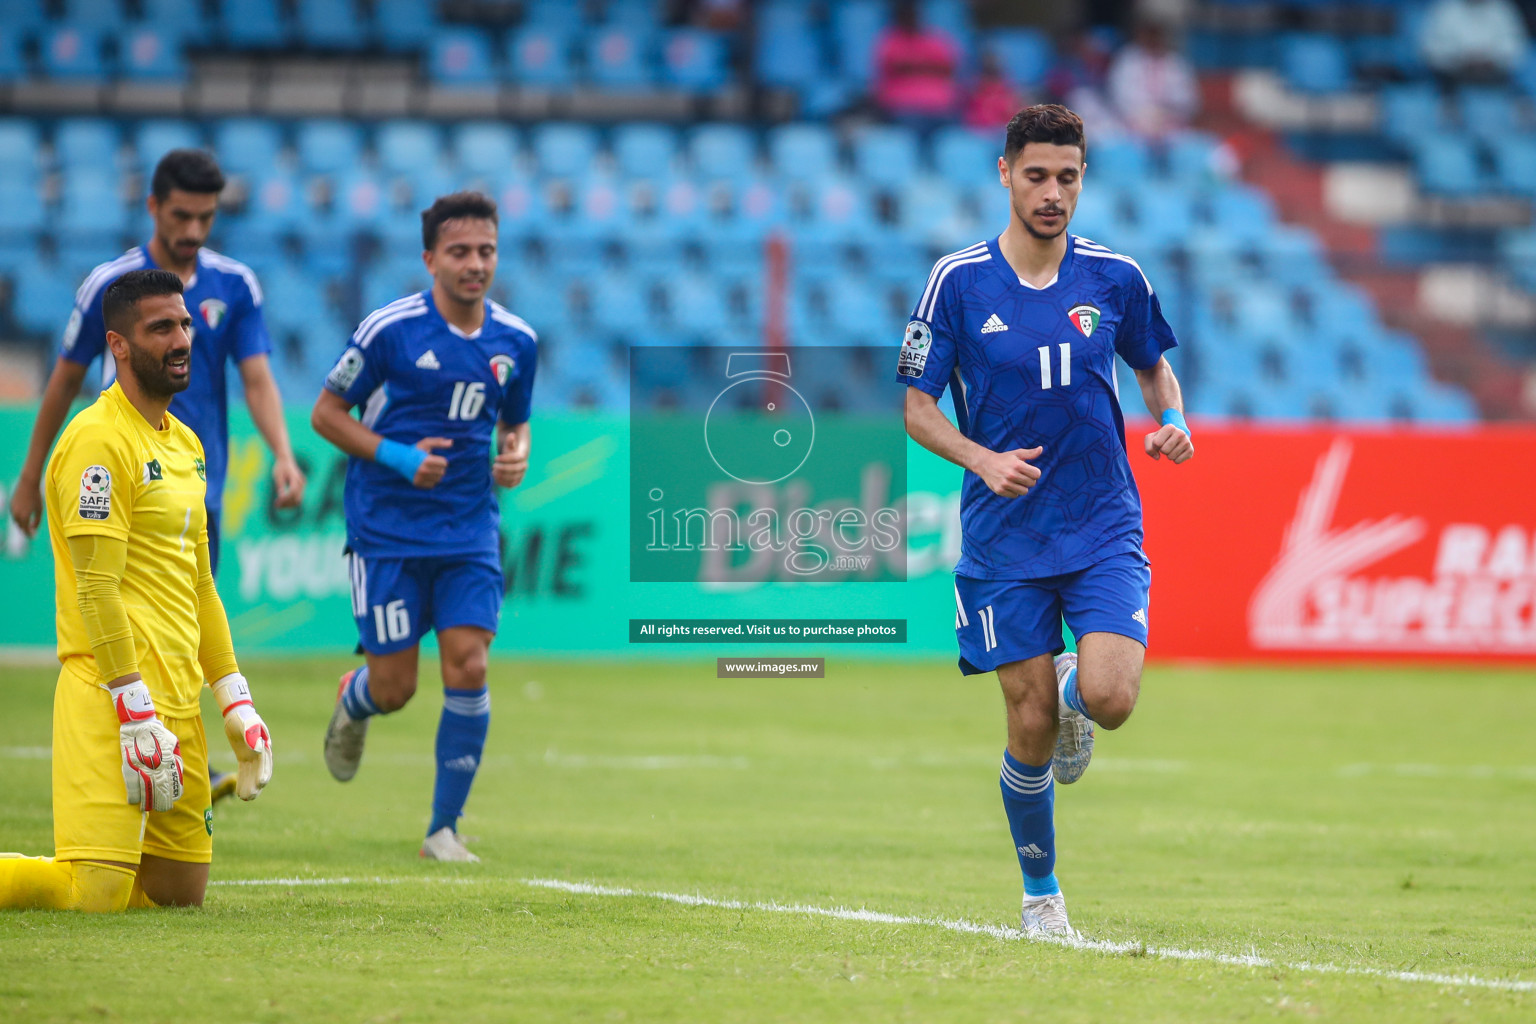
column 1176, row 418
column 402, row 458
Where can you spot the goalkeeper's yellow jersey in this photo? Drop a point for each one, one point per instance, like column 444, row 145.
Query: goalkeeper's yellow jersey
column 113, row 474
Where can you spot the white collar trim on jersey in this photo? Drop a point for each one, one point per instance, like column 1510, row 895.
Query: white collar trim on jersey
column 1054, row 278
column 467, row 337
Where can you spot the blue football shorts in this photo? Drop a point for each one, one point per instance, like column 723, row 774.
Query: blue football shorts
column 1001, row 621
column 396, row 601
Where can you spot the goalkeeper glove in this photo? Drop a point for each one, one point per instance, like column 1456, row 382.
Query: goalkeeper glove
column 152, row 767
column 247, row 735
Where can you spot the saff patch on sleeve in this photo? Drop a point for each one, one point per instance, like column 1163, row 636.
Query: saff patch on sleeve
column 95, row 493
column 345, row 372
column 915, row 346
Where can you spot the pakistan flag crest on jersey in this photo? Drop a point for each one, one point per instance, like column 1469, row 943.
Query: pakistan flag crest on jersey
column 1085, row 318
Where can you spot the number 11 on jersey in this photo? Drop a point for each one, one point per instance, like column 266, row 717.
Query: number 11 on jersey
column 1066, row 365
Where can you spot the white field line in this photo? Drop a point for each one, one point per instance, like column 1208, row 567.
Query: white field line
column 1137, row 949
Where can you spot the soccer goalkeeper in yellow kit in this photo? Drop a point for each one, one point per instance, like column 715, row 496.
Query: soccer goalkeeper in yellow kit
column 140, row 628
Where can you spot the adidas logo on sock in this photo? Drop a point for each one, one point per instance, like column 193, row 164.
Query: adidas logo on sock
column 1140, row 616
column 993, row 324
column 469, row 763
column 428, row 361
column 1032, row 851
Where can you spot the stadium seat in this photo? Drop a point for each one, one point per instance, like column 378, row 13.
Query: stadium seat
column 564, row 150
column 618, row 303
column 26, row 16
column 101, row 15
column 855, row 29
column 92, row 203
column 560, row 15
column 1121, row 162
column 722, row 150
column 20, row 144
column 13, row 60
column 1514, row 161
column 636, row 15
column 644, row 150
column 401, row 25
column 885, row 155
column 329, row 146
column 694, row 60
column 485, row 148
column 331, row 24
column 247, row 145
column 44, row 295
column 1448, row 165
column 802, row 152
column 151, row 54
column 1315, row 63
column 460, row 57
column 361, row 200
column 253, row 25
column 619, row 58
column 787, row 49
column 953, row 18
column 1408, row 112
column 405, row 147
column 185, row 21
column 153, row 139
column 965, row 158
column 540, row 57
column 23, row 211
column 1242, row 213
column 73, row 53
column 1025, row 54
column 84, row 142
column 1489, row 114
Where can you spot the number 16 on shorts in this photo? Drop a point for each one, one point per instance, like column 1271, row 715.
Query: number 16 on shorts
column 384, row 623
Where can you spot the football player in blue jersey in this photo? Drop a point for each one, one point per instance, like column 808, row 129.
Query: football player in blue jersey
column 439, row 376
column 225, row 301
column 1024, row 329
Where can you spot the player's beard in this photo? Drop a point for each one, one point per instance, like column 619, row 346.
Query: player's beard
column 153, row 373
column 1042, row 235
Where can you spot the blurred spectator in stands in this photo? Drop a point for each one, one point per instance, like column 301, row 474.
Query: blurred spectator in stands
column 1078, row 79
column 1474, row 40
column 993, row 100
column 715, row 15
column 1151, row 85
column 915, row 70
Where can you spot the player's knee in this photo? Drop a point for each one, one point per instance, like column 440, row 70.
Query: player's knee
column 1114, row 706
column 391, row 691
column 466, row 669
column 97, row 888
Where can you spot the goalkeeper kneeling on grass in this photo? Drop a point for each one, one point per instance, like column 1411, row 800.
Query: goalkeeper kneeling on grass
column 140, row 627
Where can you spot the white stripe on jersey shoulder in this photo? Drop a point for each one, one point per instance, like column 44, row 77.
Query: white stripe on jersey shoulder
column 979, row 253
column 229, row 265
column 1088, row 242
column 501, row 314
column 104, row 273
column 375, row 323
column 1095, row 249
column 413, row 303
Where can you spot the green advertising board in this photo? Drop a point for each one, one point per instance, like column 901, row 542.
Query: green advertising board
column 566, row 535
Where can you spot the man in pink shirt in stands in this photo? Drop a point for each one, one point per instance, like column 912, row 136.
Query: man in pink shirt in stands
column 915, row 71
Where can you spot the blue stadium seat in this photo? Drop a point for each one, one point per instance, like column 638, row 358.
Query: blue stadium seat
column 1448, row 165
column 151, row 54
column 101, row 15
column 618, row 303
column 1243, row 213
column 1514, row 161
column 698, row 307
column 541, row 57
column 253, row 25
column 486, row 148
column 328, row 146
column 1192, row 158
column 802, row 152
column 19, row 146
column 86, row 142
column 361, row 200
column 153, row 139
column 405, row 147
column 694, row 60
column 23, row 212
column 26, row 16
column 1315, row 63
column 73, row 53
column 565, row 150
column 787, row 50
column 619, row 58
column 183, row 20
column 1412, row 111
column 722, row 150
column 1518, row 248
column 1436, row 403
column 44, row 296
column 1121, row 162
column 962, row 157
column 13, row 61
column 856, row 26
column 561, row 15
column 247, row 145
column 885, row 155
column 331, row 24
column 1489, row 113
column 1024, row 53
column 92, row 203
column 460, row 57
column 644, row 150
column 953, row 18
column 401, row 25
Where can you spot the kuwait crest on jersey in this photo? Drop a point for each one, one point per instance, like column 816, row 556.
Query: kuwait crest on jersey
column 1085, row 318
column 213, row 311
column 502, row 367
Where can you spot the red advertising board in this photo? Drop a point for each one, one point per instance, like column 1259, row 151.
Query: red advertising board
column 1278, row 544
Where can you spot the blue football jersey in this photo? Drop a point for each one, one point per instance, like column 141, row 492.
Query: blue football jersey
column 227, row 325
column 1027, row 367
column 415, row 375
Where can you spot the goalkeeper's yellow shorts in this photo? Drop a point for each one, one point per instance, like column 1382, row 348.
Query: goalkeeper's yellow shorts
column 92, row 819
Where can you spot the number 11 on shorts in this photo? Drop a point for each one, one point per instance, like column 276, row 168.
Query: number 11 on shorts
column 391, row 622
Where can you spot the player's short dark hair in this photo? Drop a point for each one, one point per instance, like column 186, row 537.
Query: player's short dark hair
column 1050, row 123
column 191, row 170
column 459, row 205
column 122, row 299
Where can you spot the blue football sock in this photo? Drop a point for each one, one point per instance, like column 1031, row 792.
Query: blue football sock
column 1029, row 797
column 356, row 698
column 460, row 742
column 1072, row 696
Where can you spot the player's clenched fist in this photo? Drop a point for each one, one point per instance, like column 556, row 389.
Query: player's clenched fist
column 1010, row 473
column 152, row 768
column 247, row 734
column 432, row 468
column 510, row 466
column 1171, row 441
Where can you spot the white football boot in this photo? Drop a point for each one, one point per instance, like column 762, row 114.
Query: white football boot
column 1074, row 733
column 446, row 844
column 344, row 738
column 1047, row 916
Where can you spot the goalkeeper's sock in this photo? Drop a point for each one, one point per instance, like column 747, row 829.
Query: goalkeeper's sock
column 460, row 742
column 1029, row 798
column 43, row 883
column 356, row 698
column 1072, row 697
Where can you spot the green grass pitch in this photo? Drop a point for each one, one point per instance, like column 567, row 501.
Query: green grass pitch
column 1320, row 819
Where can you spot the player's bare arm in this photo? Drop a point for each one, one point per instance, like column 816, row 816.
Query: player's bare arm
column 63, row 385
column 266, row 405
column 1160, row 390
column 332, row 420
column 511, row 463
column 1009, row 474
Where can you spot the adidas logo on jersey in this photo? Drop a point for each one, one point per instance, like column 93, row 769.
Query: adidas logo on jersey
column 1140, row 616
column 1032, row 851
column 993, row 324
column 428, row 361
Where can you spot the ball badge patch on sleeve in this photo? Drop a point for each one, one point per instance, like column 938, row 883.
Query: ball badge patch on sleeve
column 1085, row 318
column 915, row 345
column 502, row 366
column 346, row 369
column 95, row 493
